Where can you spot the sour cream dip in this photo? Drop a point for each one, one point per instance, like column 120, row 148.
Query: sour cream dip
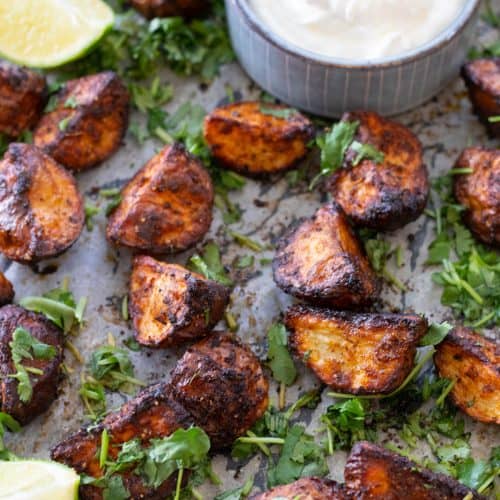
column 359, row 30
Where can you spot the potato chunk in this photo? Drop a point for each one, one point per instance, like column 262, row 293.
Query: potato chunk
column 356, row 353
column 44, row 386
column 254, row 139
column 387, row 195
column 482, row 78
column 6, row 290
column 23, row 93
column 170, row 8
column 473, row 362
column 88, row 123
column 308, row 488
column 479, row 192
column 373, row 473
column 323, row 262
column 221, row 383
column 41, row 210
column 151, row 414
column 166, row 207
column 170, row 305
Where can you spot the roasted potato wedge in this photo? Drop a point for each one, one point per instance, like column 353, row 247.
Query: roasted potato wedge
column 253, row 139
column 23, row 94
column 170, row 8
column 387, row 195
column 151, row 414
column 6, row 290
column 479, row 192
column 221, row 383
column 482, row 78
column 356, row 353
column 473, row 362
column 170, row 305
column 372, row 473
column 44, row 386
column 166, row 207
column 309, row 488
column 88, row 123
column 323, row 262
column 41, row 210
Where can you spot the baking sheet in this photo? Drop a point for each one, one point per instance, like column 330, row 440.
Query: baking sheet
column 445, row 126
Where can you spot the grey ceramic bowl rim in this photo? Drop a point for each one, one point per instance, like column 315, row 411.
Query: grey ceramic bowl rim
column 470, row 8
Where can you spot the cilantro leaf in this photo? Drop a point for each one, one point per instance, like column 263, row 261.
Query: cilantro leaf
column 284, row 113
column 7, row 422
column 366, row 152
column 209, row 265
column 115, row 489
column 238, row 493
column 280, row 360
column 436, row 333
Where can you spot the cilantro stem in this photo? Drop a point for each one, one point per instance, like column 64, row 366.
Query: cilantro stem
column 416, row 370
column 447, row 390
column 125, row 378
column 180, row 474
column 103, row 454
column 245, row 241
column 282, row 396
column 484, row 320
column 488, row 481
column 73, row 350
column 231, row 321
column 124, row 310
column 33, row 370
column 330, row 440
column 195, row 494
column 162, row 134
column 454, row 279
column 494, row 119
column 461, row 171
column 388, row 276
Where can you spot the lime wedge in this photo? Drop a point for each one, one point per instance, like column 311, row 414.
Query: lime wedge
column 48, row 33
column 37, row 480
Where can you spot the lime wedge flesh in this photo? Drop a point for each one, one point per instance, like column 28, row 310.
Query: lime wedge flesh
column 37, row 480
column 48, row 33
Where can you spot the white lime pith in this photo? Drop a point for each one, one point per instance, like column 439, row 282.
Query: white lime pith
column 48, row 33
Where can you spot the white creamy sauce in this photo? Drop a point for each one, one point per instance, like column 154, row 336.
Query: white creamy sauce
column 358, row 29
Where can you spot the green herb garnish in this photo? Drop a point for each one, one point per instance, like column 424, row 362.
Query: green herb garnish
column 209, row 265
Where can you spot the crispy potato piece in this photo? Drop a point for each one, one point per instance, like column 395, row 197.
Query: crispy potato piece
column 473, row 362
column 387, row 195
column 166, row 207
column 44, row 386
column 356, row 353
column 372, row 473
column 221, row 383
column 170, row 8
column 323, row 262
column 482, row 78
column 244, row 139
column 170, row 305
column 23, row 94
column 479, row 192
column 6, row 290
column 151, row 414
column 309, row 488
column 41, row 210
column 88, row 123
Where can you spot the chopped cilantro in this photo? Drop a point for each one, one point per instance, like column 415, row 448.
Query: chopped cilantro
column 284, row 113
column 245, row 261
column 90, row 212
column 247, row 242
column 59, row 306
column 7, row 422
column 280, row 360
column 63, row 124
column 132, row 344
column 209, row 265
column 238, row 493
column 436, row 334
column 24, row 346
column 71, row 102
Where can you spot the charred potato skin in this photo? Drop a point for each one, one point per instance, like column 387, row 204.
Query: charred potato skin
column 6, row 290
column 309, row 488
column 373, row 473
column 171, row 8
column 474, row 363
column 244, row 139
column 388, row 195
column 41, row 210
column 95, row 122
column 45, row 387
column 166, row 207
column 482, row 78
column 341, row 278
column 170, row 305
column 151, row 414
column 375, row 352
column 23, row 94
column 221, row 383
column 479, row 192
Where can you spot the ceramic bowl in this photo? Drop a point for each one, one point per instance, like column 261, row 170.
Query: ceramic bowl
column 328, row 87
